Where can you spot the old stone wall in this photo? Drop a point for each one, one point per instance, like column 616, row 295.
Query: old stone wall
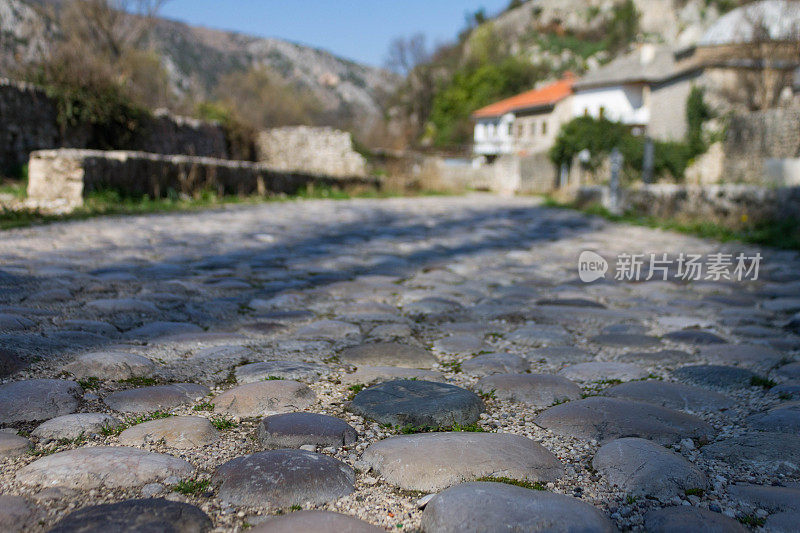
column 730, row 205
column 754, row 138
column 65, row 176
column 29, row 122
column 323, row 151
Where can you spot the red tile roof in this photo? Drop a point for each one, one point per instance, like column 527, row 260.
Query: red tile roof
column 548, row 95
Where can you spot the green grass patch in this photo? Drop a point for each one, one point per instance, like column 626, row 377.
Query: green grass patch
column 273, row 378
column 533, row 485
column 695, row 492
column 90, row 383
column 131, row 421
column 77, row 441
column 139, row 381
column 410, row 429
column 490, row 395
column 223, row 423
column 296, row 507
column 453, row 366
column 192, row 487
column 764, row 383
column 752, row 520
column 203, row 406
column 355, row 389
column 106, row 203
column 18, row 188
column 555, row 43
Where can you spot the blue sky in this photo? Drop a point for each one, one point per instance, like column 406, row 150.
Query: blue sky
column 355, row 29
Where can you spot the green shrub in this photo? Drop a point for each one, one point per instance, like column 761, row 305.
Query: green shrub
column 601, row 136
column 472, row 87
column 697, row 113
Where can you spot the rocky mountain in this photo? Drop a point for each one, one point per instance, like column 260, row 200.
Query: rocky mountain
column 197, row 58
column 574, row 34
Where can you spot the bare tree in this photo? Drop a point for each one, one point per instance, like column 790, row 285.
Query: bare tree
column 111, row 27
column 769, row 60
column 406, row 53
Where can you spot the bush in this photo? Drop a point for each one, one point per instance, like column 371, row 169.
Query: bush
column 601, row 136
column 239, row 136
column 473, row 87
column 697, row 113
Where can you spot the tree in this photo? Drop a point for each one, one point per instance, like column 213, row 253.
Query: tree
column 769, row 60
column 261, row 99
column 406, row 53
column 623, row 26
column 98, row 70
column 109, row 27
column 472, row 87
column 697, row 113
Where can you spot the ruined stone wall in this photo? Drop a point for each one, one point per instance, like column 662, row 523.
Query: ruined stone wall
column 728, row 205
column 29, row 122
column 64, row 177
column 754, row 138
column 323, row 151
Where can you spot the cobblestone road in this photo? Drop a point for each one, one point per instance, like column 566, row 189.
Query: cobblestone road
column 243, row 367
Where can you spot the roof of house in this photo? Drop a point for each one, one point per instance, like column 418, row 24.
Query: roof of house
column 777, row 19
column 649, row 64
column 545, row 96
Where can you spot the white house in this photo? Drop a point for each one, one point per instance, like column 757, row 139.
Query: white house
column 646, row 89
column 523, row 124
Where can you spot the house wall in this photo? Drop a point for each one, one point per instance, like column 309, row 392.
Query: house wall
column 536, row 133
column 494, row 136
column 668, row 108
column 621, row 103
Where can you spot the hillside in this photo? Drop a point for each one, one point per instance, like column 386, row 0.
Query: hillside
column 196, row 59
column 533, row 42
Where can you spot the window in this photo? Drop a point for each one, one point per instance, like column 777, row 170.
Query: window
column 544, row 127
column 520, row 130
column 602, row 111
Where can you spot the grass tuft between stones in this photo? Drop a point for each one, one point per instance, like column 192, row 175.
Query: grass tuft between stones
column 139, row 381
column 192, row 487
column 223, row 423
column 108, row 431
column 764, row 383
column 524, row 483
column 752, row 520
column 453, row 366
column 410, row 429
column 203, row 406
column 90, row 383
column 355, row 389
